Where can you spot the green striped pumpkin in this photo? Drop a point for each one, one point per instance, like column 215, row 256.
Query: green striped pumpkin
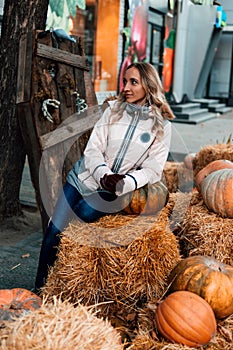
column 147, row 200
column 217, row 192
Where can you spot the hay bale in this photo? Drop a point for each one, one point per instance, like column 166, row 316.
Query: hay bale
column 176, row 176
column 119, row 259
column 210, row 153
column 59, row 326
column 205, row 233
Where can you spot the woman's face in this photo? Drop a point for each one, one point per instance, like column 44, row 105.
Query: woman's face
column 133, row 89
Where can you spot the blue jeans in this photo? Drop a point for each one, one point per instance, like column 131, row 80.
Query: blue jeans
column 70, row 205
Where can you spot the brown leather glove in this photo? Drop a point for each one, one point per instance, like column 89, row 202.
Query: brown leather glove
column 110, row 182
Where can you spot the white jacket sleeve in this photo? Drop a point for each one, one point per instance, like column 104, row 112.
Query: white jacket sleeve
column 152, row 168
column 96, row 146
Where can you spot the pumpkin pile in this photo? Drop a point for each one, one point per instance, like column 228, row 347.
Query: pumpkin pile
column 208, row 278
column 202, row 222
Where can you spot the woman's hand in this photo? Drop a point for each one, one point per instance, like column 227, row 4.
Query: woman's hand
column 112, row 182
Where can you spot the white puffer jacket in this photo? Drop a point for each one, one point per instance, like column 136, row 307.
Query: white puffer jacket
column 127, row 146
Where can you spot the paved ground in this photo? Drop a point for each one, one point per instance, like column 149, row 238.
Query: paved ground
column 190, row 138
column 19, row 258
column 18, row 262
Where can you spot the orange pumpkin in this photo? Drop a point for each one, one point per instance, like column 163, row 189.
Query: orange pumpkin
column 210, row 168
column 185, row 318
column 17, row 301
column 217, row 192
column 147, row 200
column 208, row 278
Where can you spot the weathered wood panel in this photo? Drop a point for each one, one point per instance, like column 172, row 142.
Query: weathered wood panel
column 24, row 69
column 33, row 150
column 68, row 131
column 62, row 56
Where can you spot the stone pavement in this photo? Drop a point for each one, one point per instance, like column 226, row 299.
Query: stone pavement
column 190, row 138
column 18, row 263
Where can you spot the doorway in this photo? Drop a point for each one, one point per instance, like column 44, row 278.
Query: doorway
column 156, row 39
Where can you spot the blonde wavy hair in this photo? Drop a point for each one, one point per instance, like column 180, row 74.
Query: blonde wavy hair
column 155, row 98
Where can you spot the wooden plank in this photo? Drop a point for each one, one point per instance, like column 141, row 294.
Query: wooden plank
column 24, row 69
column 21, row 69
column 62, row 56
column 70, row 130
column 34, row 156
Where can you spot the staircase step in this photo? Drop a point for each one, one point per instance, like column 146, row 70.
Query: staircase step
column 224, row 110
column 213, row 105
column 216, row 106
column 205, row 102
column 191, row 113
column 185, row 107
column 196, row 119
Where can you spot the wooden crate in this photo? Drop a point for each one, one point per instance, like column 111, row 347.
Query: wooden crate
column 49, row 69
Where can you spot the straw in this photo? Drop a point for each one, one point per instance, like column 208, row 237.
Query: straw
column 58, row 326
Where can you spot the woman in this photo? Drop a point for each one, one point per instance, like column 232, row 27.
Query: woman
column 127, row 149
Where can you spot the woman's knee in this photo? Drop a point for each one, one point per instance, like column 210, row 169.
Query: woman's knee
column 86, row 213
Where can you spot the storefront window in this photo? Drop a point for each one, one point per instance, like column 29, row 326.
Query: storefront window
column 115, row 33
column 98, row 24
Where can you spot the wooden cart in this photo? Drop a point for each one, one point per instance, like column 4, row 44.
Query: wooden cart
column 57, row 107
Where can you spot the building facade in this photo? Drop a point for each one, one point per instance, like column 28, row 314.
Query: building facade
column 180, row 38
